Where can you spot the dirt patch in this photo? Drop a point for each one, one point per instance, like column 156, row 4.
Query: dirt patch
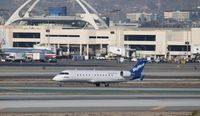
column 102, row 114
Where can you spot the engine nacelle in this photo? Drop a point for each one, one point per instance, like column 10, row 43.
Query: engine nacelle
column 125, row 73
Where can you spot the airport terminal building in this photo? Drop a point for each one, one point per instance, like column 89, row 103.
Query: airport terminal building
column 87, row 35
column 146, row 41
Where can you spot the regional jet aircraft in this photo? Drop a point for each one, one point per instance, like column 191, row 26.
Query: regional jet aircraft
column 102, row 76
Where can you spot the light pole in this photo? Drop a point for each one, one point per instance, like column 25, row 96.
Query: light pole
column 46, row 15
column 187, row 48
column 47, row 31
column 187, row 45
column 48, row 28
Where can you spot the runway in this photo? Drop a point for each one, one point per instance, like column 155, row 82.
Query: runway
column 146, row 74
column 100, row 105
column 98, row 99
column 166, row 87
column 94, row 97
column 99, row 91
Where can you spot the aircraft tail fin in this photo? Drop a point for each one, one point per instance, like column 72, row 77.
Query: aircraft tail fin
column 136, row 71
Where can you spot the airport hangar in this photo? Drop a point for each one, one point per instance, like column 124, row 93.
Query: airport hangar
column 87, row 34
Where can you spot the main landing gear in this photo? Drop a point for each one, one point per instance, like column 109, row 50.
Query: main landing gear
column 97, row 84
column 105, row 84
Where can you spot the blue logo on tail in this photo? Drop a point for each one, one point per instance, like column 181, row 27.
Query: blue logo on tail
column 136, row 71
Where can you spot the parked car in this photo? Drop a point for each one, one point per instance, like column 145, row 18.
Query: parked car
column 3, row 60
column 100, row 58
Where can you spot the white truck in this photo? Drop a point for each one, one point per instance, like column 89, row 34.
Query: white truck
column 117, row 51
column 36, row 56
column 15, row 57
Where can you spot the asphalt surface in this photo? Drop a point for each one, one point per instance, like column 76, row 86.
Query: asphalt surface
column 100, row 105
column 165, row 70
column 154, row 99
column 42, row 98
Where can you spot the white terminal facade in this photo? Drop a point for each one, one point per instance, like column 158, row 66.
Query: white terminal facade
column 93, row 37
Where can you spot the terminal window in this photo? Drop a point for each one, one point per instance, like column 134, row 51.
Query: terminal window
column 140, row 37
column 143, row 47
column 102, row 37
column 112, row 32
column 179, row 48
column 92, row 37
column 24, row 44
column 98, row 37
column 62, row 35
column 26, row 35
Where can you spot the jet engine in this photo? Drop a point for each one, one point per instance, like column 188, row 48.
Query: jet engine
column 125, row 73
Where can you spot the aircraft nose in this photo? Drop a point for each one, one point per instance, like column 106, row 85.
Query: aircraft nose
column 55, row 78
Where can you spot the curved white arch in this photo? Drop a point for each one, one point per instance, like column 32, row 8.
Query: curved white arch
column 91, row 17
column 83, row 7
column 27, row 14
column 96, row 13
column 15, row 16
column 88, row 17
column 89, row 6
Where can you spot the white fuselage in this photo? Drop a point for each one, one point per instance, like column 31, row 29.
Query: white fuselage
column 92, row 76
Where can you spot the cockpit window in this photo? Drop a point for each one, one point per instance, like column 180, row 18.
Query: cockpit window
column 64, row 73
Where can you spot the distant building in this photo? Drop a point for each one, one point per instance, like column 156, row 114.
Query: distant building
column 178, row 15
column 195, row 15
column 141, row 17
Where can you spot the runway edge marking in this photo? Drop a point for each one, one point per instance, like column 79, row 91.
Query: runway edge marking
column 158, row 107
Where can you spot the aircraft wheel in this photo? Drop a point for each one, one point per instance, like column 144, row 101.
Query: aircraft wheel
column 97, row 84
column 107, row 85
